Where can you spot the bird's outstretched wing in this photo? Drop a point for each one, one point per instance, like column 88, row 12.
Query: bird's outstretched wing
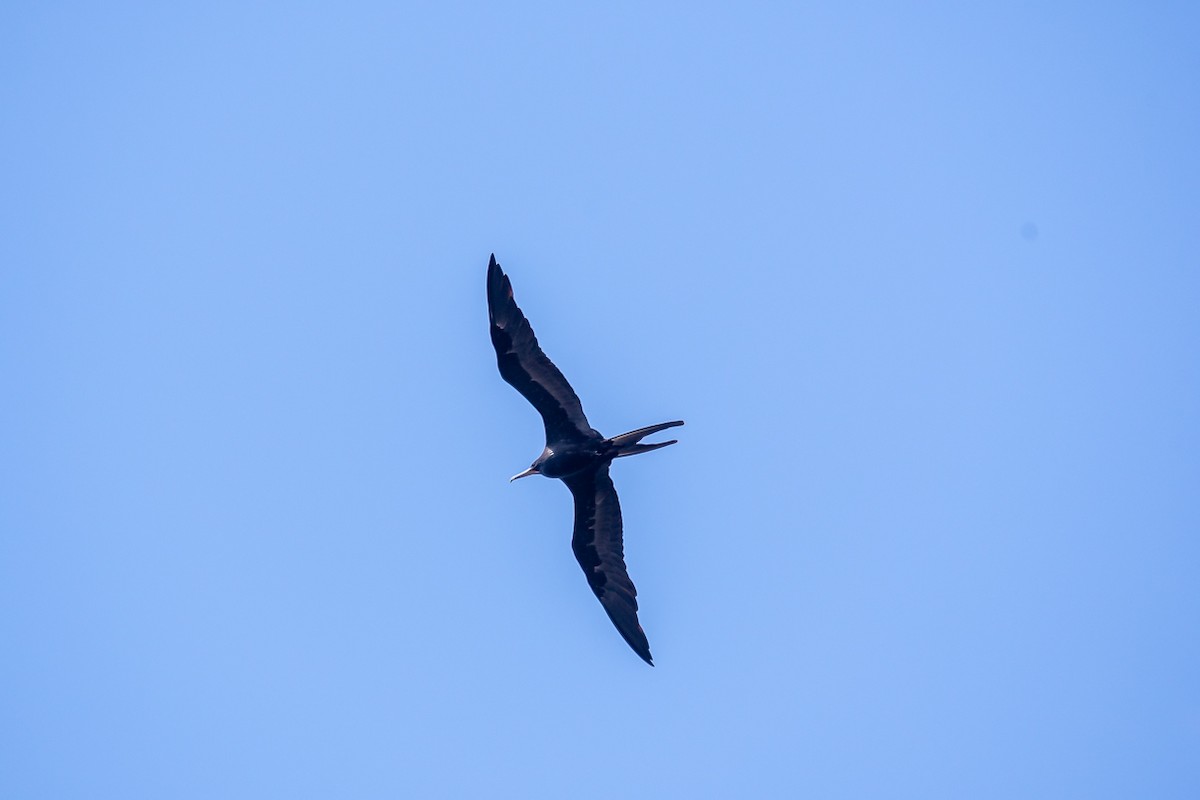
column 524, row 365
column 598, row 547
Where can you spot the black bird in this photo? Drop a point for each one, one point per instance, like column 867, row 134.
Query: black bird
column 577, row 454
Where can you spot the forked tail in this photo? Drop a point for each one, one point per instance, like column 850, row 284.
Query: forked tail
column 627, row 443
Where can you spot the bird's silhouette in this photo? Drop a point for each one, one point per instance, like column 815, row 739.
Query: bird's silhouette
column 577, row 454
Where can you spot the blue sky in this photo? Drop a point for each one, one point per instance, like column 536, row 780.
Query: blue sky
column 924, row 283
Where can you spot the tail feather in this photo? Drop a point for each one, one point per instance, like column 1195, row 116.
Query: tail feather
column 626, row 444
column 634, row 449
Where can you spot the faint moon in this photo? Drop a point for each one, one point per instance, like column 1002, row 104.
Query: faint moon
column 1029, row 232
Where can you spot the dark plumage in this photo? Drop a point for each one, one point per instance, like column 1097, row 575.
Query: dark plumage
column 577, row 454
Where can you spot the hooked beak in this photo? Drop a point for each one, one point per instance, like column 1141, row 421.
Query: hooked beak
column 525, row 474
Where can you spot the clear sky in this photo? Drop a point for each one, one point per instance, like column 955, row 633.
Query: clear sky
column 924, row 282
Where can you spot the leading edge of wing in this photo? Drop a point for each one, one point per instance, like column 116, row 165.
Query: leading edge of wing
column 599, row 548
column 526, row 368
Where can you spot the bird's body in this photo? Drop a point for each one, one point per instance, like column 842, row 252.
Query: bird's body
column 575, row 453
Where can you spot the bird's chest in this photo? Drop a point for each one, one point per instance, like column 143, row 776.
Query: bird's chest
column 567, row 462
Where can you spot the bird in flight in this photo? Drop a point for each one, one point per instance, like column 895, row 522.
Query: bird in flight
column 577, row 454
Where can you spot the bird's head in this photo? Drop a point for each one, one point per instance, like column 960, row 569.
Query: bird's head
column 536, row 467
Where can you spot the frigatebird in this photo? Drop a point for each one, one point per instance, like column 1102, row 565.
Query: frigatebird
column 575, row 453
